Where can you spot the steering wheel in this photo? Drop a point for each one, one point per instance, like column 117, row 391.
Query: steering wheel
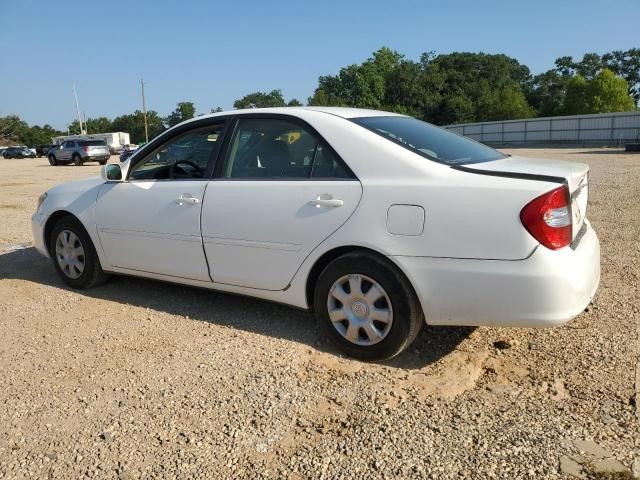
column 172, row 170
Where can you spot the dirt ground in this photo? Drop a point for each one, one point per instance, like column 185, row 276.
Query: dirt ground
column 141, row 379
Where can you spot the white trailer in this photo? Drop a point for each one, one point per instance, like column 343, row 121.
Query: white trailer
column 115, row 140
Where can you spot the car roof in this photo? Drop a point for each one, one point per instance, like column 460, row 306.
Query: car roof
column 343, row 112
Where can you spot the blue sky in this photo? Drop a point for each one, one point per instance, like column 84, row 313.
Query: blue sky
column 212, row 52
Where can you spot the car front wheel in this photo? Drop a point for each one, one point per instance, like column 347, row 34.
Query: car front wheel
column 52, row 161
column 367, row 307
column 74, row 256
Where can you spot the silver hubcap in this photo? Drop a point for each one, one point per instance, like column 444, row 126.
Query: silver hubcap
column 70, row 254
column 360, row 309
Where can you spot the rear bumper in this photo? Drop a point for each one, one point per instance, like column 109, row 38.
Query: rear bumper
column 544, row 290
column 95, row 158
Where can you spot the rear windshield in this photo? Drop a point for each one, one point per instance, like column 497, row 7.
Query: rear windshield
column 89, row 143
column 430, row 141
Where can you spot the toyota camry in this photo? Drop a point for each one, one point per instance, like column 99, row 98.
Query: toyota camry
column 377, row 222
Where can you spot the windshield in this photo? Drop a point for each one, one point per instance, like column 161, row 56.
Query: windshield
column 430, row 141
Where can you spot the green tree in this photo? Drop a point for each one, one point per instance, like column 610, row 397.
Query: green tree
column 184, row 111
column 565, row 66
column 608, row 93
column 216, row 110
column 91, row 125
column 133, row 124
column 37, row 135
column 626, row 64
column 294, row 102
column 361, row 85
column 11, row 127
column 547, row 93
column 575, row 101
column 471, row 82
column 74, row 128
column 260, row 100
column 604, row 93
column 98, row 125
column 508, row 103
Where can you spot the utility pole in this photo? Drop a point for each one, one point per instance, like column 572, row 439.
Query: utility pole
column 78, row 109
column 144, row 112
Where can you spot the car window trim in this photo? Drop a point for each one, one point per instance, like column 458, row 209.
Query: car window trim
column 222, row 154
column 171, row 134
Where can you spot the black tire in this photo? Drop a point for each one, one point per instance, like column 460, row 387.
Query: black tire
column 103, row 162
column 408, row 318
column 93, row 275
column 52, row 161
column 77, row 160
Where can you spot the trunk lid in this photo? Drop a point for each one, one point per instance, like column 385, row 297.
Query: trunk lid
column 575, row 175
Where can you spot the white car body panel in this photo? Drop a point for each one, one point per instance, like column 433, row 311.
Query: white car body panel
column 257, row 233
column 468, row 257
column 143, row 226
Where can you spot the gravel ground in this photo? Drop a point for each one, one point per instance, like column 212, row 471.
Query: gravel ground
column 141, row 379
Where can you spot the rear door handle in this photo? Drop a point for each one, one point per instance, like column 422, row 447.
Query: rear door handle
column 322, row 201
column 187, row 199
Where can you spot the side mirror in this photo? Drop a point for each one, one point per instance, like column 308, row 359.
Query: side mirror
column 111, row 172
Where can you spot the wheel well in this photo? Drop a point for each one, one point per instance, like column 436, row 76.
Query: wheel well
column 51, row 221
column 325, row 259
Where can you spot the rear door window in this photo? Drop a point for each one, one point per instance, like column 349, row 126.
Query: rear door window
column 273, row 148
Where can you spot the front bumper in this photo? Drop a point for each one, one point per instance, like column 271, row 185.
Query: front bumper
column 544, row 290
column 38, row 221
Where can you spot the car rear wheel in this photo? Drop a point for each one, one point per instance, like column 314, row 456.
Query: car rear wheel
column 52, row 161
column 102, row 162
column 77, row 160
column 74, row 256
column 367, row 307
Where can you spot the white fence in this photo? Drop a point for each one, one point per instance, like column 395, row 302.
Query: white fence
column 598, row 129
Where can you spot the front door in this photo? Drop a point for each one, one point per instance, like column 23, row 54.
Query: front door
column 64, row 154
column 280, row 192
column 151, row 221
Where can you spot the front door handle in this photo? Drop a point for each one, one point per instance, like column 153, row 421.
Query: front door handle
column 323, row 201
column 187, row 199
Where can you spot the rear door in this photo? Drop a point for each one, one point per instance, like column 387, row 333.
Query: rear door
column 279, row 193
column 151, row 221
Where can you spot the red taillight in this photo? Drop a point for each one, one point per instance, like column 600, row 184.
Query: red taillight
column 548, row 218
column 86, row 149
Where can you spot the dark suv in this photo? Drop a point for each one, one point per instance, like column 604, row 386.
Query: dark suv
column 43, row 150
column 80, row 151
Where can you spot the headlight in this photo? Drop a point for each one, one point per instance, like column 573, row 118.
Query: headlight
column 41, row 200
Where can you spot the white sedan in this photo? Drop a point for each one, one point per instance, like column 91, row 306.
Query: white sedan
column 379, row 222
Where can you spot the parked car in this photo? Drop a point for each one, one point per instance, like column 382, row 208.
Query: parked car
column 127, row 151
column 377, row 221
column 43, row 150
column 79, row 152
column 18, row 152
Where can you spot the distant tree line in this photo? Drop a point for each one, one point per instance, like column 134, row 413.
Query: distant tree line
column 443, row 89
column 475, row 87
